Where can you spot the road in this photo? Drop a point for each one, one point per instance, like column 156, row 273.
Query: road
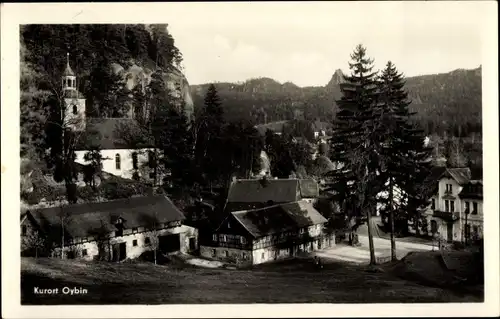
column 361, row 254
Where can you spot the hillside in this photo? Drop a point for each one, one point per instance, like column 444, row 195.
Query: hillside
column 443, row 102
column 294, row 281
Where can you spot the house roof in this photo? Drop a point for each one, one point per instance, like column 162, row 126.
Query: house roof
column 84, row 220
column 279, row 218
column 460, row 175
column 275, row 190
column 107, row 133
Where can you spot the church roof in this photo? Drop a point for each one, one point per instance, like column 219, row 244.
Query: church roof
column 110, row 133
column 68, row 71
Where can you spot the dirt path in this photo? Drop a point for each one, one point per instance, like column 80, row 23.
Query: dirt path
column 361, row 254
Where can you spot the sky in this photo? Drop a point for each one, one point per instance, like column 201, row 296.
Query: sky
column 306, row 42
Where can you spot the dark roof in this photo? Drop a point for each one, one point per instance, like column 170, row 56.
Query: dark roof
column 275, row 190
column 68, row 71
column 473, row 189
column 279, row 218
column 273, row 126
column 107, row 133
column 461, row 175
column 85, row 219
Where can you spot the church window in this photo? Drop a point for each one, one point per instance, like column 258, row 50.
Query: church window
column 151, row 159
column 75, row 109
column 118, row 163
column 135, row 163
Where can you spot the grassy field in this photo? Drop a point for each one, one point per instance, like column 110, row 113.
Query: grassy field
column 295, row 281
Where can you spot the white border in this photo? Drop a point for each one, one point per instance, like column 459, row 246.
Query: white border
column 14, row 14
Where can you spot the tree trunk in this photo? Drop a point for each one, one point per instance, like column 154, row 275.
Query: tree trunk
column 391, row 217
column 373, row 261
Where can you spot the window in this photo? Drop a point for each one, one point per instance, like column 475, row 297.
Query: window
column 118, row 164
column 134, row 230
column 147, row 240
column 433, row 204
column 214, row 237
column 214, row 252
column 474, row 210
column 75, row 109
column 452, row 206
column 134, row 242
column 151, row 159
column 135, row 162
column 226, row 253
column 243, row 240
column 467, row 207
column 262, row 256
column 449, row 188
column 84, row 252
column 24, row 230
column 228, row 225
column 447, row 205
column 223, row 238
column 434, row 227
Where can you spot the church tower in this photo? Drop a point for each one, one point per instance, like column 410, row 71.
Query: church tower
column 73, row 101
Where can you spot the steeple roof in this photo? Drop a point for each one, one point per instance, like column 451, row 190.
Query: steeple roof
column 68, row 71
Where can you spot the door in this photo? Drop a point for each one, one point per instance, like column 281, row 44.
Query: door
column 119, row 251
column 449, row 232
column 192, row 243
column 169, row 243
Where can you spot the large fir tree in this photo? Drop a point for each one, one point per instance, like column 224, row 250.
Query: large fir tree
column 209, row 136
column 405, row 157
column 355, row 142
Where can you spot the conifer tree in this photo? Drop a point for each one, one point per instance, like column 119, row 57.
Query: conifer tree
column 405, row 157
column 208, row 144
column 356, row 142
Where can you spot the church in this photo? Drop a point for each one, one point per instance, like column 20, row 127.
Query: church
column 119, row 158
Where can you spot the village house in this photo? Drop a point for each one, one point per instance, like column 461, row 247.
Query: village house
column 457, row 202
column 256, row 236
column 114, row 230
column 245, row 194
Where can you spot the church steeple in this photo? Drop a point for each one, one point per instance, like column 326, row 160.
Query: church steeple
column 68, row 78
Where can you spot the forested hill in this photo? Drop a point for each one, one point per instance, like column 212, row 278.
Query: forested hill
column 443, row 102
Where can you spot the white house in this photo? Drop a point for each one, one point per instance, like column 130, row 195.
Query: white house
column 114, row 230
column 451, row 206
column 266, row 234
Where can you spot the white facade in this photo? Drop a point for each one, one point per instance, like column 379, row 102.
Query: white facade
column 118, row 162
column 135, row 242
column 448, row 201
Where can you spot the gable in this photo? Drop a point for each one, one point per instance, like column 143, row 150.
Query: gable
column 279, row 218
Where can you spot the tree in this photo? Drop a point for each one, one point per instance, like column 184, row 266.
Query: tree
column 208, row 144
column 35, row 242
column 356, row 142
column 94, row 169
column 405, row 158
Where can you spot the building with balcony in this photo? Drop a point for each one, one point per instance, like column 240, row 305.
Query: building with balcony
column 256, row 236
column 450, row 210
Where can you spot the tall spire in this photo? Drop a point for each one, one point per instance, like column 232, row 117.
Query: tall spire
column 68, row 71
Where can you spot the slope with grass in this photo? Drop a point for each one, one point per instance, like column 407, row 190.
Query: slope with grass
column 294, row 281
